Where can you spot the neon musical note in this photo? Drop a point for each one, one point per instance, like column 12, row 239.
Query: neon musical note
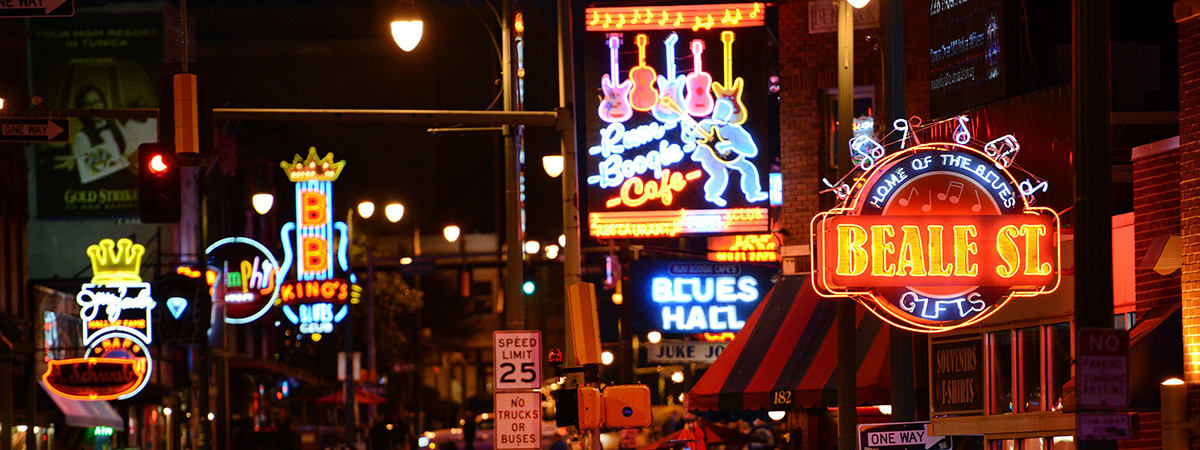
column 595, row 19
column 962, row 135
column 757, row 9
column 731, row 89
column 904, row 201
column 697, row 102
column 728, row 19
column 622, row 22
column 664, row 19
column 863, row 157
column 649, row 16
column 709, row 25
column 902, row 125
column 636, row 16
column 842, row 191
column 615, row 106
column 696, row 26
column 678, row 19
column 978, row 203
column 1028, row 188
column 953, row 186
column 1003, row 150
column 607, row 20
column 671, row 85
column 643, row 96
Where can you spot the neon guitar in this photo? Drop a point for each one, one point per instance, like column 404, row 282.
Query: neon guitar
column 615, row 106
column 643, row 96
column 696, row 100
column 732, row 88
column 669, row 86
column 701, row 134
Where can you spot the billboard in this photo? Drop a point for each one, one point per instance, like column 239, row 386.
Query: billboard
column 966, row 54
column 95, row 62
column 675, row 120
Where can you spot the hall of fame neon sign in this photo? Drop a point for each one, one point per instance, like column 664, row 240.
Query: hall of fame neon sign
column 314, row 249
column 664, row 148
column 939, row 235
column 116, row 309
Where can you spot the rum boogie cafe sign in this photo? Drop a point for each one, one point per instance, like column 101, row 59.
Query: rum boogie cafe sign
column 936, row 236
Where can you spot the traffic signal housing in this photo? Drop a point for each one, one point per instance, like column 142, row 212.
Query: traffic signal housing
column 158, row 184
column 579, row 407
column 627, row 406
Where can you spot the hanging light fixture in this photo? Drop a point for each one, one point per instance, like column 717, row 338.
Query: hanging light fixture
column 262, row 202
column 407, row 26
column 393, row 211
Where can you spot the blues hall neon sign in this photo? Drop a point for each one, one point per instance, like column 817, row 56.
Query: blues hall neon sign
column 314, row 250
column 936, row 236
column 695, row 297
column 665, row 147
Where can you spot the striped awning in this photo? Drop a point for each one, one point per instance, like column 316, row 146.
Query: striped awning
column 785, row 357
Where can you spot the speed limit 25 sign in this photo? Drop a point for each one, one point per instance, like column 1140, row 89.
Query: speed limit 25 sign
column 518, row 355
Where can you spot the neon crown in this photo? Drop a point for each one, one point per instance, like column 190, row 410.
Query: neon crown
column 120, row 266
column 313, row 168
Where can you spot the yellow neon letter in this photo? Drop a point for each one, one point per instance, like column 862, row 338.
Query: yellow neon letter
column 1033, row 257
column 911, row 252
column 963, row 249
column 1006, row 247
column 880, row 249
column 937, row 266
column 852, row 258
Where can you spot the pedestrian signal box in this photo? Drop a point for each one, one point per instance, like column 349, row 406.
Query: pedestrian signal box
column 579, row 407
column 627, row 406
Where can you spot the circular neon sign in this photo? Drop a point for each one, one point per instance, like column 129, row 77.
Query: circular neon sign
column 935, row 237
column 245, row 278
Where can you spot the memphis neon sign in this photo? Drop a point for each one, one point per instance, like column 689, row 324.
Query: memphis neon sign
column 248, row 280
column 116, row 309
column 936, row 236
column 315, row 250
column 664, row 148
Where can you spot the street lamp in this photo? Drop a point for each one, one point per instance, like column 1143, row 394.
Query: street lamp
column 366, row 209
column 393, row 212
column 407, row 26
column 451, row 233
column 262, row 202
column 553, row 164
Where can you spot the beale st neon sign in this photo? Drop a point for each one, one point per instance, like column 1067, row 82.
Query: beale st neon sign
column 938, row 235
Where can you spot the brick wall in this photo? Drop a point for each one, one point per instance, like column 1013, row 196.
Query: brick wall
column 1146, row 431
column 1188, row 20
column 807, row 67
column 1156, row 214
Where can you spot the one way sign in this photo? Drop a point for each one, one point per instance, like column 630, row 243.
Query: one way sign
column 899, row 436
column 33, row 130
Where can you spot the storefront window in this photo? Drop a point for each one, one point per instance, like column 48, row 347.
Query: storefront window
column 1030, row 365
column 1059, row 346
column 1002, row 371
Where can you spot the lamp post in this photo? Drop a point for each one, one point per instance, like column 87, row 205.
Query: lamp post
column 847, row 416
column 393, row 212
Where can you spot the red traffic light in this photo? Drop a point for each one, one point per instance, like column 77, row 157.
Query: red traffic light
column 157, row 165
column 555, row 356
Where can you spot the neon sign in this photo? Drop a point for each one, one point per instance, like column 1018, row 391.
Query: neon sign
column 693, row 17
column 248, row 278
column 744, row 247
column 689, row 297
column 116, row 309
column 316, row 244
column 938, row 235
column 663, row 147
